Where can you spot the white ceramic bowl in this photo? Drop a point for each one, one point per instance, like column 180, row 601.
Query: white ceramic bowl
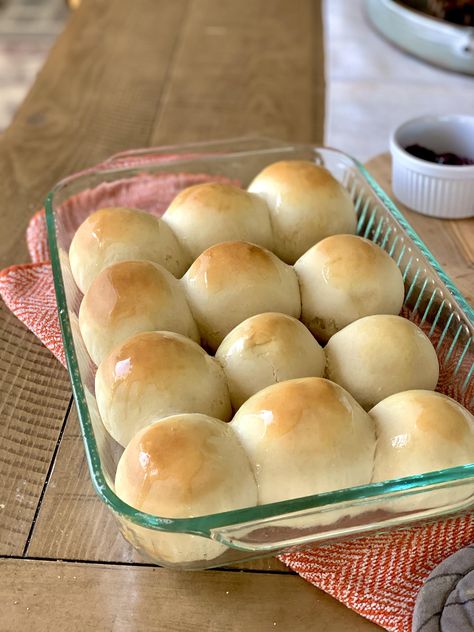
column 438, row 190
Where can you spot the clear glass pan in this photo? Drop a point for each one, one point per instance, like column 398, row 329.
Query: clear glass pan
column 432, row 301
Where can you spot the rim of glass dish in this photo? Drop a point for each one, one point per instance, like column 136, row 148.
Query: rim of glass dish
column 203, row 525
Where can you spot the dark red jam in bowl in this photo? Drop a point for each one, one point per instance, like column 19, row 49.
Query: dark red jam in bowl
column 447, row 158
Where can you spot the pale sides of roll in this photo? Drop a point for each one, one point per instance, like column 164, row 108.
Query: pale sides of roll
column 377, row 356
column 154, row 375
column 306, row 205
column 304, row 437
column 117, row 234
column 266, row 349
column 181, row 467
column 421, row 431
column 232, row 281
column 343, row 278
column 130, row 297
column 207, row 214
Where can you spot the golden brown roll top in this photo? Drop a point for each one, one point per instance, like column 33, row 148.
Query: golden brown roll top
column 185, row 466
column 156, row 374
column 265, row 349
column 420, row 431
column 343, row 278
column 232, row 281
column 127, row 298
column 380, row 355
column 304, row 437
column 207, row 214
column 110, row 235
column 306, row 205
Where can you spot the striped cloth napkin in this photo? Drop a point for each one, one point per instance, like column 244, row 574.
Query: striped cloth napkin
column 378, row 576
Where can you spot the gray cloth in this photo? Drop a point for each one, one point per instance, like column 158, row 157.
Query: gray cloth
column 445, row 602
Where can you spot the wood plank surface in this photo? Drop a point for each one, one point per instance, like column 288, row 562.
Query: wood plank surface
column 98, row 93
column 245, row 68
column 73, row 523
column 451, row 241
column 34, row 396
column 125, row 598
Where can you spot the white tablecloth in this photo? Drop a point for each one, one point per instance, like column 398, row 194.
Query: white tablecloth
column 372, row 86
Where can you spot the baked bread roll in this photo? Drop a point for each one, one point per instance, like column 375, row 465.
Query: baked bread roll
column 266, row 349
column 343, row 278
column 422, row 431
column 232, row 281
column 305, row 437
column 207, row 214
column 181, row 467
column 154, row 375
column 306, row 204
column 377, row 356
column 127, row 298
column 118, row 234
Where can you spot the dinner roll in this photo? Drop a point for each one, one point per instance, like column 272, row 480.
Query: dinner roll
column 265, row 349
column 231, row 281
column 306, row 204
column 129, row 297
column 305, row 437
column 182, row 467
column 422, row 431
column 377, row 356
column 207, row 214
column 343, row 278
column 156, row 374
column 117, row 234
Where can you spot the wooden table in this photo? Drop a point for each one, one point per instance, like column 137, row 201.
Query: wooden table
column 133, row 74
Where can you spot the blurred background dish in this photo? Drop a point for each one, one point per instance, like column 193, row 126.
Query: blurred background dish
column 427, row 29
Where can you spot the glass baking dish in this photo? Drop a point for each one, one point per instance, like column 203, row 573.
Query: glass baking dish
column 432, row 301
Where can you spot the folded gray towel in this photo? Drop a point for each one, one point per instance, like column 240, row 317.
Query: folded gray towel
column 445, row 603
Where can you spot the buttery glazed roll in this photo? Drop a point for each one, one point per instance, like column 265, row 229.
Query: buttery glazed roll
column 180, row 467
column 421, row 431
column 343, row 278
column 154, row 375
column 117, row 234
column 305, row 437
column 377, row 356
column 127, row 298
column 266, row 349
column 306, row 204
column 232, row 281
column 207, row 214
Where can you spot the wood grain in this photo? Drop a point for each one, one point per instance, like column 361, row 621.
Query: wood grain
column 34, row 396
column 98, row 93
column 124, row 598
column 245, row 68
column 451, row 241
column 73, row 523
